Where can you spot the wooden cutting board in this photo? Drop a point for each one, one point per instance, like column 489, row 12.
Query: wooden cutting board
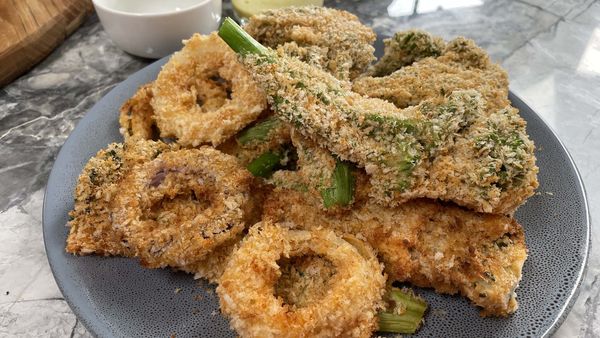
column 31, row 29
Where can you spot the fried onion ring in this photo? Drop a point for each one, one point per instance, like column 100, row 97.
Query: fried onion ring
column 183, row 205
column 137, row 116
column 91, row 227
column 315, row 167
column 204, row 95
column 211, row 268
column 247, row 286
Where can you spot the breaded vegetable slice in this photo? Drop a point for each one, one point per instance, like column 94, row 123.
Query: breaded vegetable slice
column 396, row 147
column 92, row 231
column 462, row 65
column 137, row 116
column 427, row 243
column 204, row 95
column 178, row 208
column 347, row 308
column 332, row 39
column 404, row 48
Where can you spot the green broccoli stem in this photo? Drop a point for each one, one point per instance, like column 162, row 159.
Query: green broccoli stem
column 240, row 41
column 265, row 164
column 389, row 322
column 259, row 132
column 407, row 314
column 342, row 190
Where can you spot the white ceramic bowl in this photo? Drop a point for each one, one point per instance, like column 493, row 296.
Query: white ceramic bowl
column 155, row 28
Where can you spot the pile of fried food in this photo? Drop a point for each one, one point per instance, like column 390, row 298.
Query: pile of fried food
column 304, row 178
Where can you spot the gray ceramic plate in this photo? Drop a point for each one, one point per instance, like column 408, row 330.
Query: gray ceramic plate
column 116, row 297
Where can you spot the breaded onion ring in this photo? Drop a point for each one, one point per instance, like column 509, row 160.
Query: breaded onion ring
column 179, row 207
column 204, row 95
column 212, row 266
column 98, row 184
column 247, row 286
column 137, row 115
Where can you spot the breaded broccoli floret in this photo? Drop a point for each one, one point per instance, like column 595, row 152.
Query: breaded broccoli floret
column 332, row 39
column 404, row 48
column 461, row 66
column 399, row 148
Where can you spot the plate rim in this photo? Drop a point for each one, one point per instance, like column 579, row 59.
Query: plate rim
column 582, row 273
column 96, row 330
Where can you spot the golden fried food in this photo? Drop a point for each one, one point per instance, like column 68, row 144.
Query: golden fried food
column 314, row 169
column 461, row 66
column 212, row 266
column 489, row 167
column 428, row 244
column 404, row 48
column 300, row 193
column 136, row 116
column 504, row 176
column 203, row 95
column 267, row 134
column 99, row 182
column 182, row 205
column 304, row 280
column 333, row 39
column 398, row 147
column 346, row 309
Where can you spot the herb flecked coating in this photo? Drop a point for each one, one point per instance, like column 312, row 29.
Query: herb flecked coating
column 404, row 48
column 427, row 150
column 334, row 40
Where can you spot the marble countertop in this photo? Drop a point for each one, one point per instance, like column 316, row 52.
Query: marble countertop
column 551, row 50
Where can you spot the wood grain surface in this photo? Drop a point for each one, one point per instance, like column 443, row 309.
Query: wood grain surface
column 31, row 29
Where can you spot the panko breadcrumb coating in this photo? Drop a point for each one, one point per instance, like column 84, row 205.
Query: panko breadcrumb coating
column 347, row 308
column 314, row 168
column 99, row 183
column 332, row 39
column 342, row 172
column 404, row 48
column 502, row 178
column 461, row 66
column 137, row 116
column 203, row 95
column 95, row 227
column 428, row 244
column 490, row 167
column 179, row 207
column 304, row 280
column 212, row 266
column 397, row 147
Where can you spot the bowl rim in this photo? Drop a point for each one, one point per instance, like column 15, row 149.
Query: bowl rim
column 97, row 4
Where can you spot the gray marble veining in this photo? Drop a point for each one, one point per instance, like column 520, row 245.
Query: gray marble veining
column 40, row 109
column 551, row 50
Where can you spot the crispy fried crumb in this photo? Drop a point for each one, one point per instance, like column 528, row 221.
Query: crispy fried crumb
column 428, row 244
column 332, row 39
